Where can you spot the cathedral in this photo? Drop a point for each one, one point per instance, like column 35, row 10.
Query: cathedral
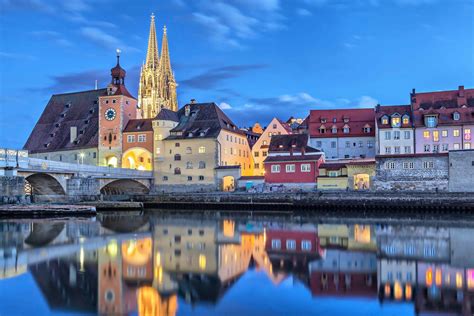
column 157, row 84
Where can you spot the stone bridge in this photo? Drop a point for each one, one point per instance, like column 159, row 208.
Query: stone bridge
column 21, row 174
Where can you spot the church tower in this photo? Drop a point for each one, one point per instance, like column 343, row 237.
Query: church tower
column 157, row 87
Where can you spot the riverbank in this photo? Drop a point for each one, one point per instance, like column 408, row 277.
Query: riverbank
column 35, row 210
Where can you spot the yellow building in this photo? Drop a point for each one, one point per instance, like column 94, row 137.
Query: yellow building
column 346, row 174
column 205, row 151
column 260, row 148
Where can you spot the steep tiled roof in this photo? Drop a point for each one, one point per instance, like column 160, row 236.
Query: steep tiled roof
column 167, row 115
column 286, row 126
column 122, row 90
column 52, row 131
column 292, row 158
column 290, row 142
column 357, row 120
column 139, row 125
column 389, row 110
column 204, row 120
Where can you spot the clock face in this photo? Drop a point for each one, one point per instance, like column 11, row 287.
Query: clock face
column 110, row 114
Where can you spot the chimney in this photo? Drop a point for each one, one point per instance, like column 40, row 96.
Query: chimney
column 461, row 91
column 73, row 133
column 413, row 91
column 461, row 99
column 187, row 109
column 377, row 108
column 193, row 101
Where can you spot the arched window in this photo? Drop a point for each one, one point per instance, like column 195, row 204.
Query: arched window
column 189, row 150
column 177, row 157
column 177, row 170
column 384, row 120
column 406, row 119
column 202, row 165
column 189, row 165
column 396, row 121
column 456, row 116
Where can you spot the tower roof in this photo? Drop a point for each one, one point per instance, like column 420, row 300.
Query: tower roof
column 152, row 57
column 118, row 72
column 165, row 62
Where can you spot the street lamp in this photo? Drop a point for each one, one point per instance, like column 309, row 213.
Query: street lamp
column 82, row 158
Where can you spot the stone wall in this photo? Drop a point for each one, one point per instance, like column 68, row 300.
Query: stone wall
column 83, row 186
column 411, row 173
column 461, row 171
column 182, row 188
column 12, row 186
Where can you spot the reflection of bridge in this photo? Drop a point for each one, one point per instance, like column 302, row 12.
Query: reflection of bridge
column 47, row 177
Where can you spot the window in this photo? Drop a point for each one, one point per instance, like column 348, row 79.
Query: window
column 201, row 178
column 306, row 167
column 397, row 149
column 176, row 144
column 270, row 134
column 189, row 150
column 406, row 119
column 426, row 134
column 366, row 130
column 435, row 148
column 177, row 170
column 456, row 146
column 264, row 142
column 276, row 243
column 306, row 245
column 202, row 150
column 346, row 130
column 189, row 165
column 177, row 157
column 141, row 138
column 431, row 120
column 396, row 121
column 388, row 150
column 257, row 166
column 444, row 133
column 264, row 153
column 291, row 244
column 322, row 130
column 165, row 178
column 274, row 126
column 275, row 169
column 385, row 120
column 333, row 174
column 202, row 165
column 370, row 144
column 130, row 138
column 190, row 178
column 390, row 165
column 436, row 136
column 388, row 135
column 467, row 134
column 429, row 251
column 408, row 165
column 334, row 130
column 348, row 144
column 445, row 147
column 407, row 134
column 428, row 164
column 456, row 133
column 407, row 149
column 361, row 144
column 467, row 145
column 318, row 143
column 256, row 154
column 396, row 135
column 426, row 148
column 290, row 168
column 456, row 116
column 333, row 144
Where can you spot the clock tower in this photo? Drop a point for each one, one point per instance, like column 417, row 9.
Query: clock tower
column 115, row 110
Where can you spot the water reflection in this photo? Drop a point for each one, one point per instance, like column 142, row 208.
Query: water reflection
column 168, row 266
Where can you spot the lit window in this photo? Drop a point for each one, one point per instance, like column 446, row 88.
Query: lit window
column 385, row 120
column 406, row 120
column 396, row 122
column 467, row 134
column 435, row 136
column 202, row 150
column 444, row 133
column 426, row 134
column 456, row 133
column 276, row 243
column 275, row 168
column 456, row 146
column 202, row 262
column 459, row 281
column 429, row 277
column 306, row 167
column 306, row 245
column 141, row 138
column 467, row 145
column 158, row 150
column 290, row 168
column 291, row 244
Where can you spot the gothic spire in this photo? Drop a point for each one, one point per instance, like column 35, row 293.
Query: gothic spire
column 165, row 63
column 152, row 57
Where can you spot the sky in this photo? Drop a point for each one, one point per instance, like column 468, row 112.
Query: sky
column 257, row 59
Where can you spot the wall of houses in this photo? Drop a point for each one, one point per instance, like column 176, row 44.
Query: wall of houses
column 444, row 138
column 412, row 173
column 392, row 141
column 345, row 147
column 234, row 150
column 461, row 171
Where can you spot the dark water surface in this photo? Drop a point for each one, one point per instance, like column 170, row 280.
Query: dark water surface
column 155, row 264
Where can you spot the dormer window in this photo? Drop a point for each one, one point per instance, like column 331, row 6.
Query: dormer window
column 334, row 120
column 396, row 120
column 280, row 146
column 346, row 120
column 384, row 120
column 322, row 130
column 456, row 116
column 334, row 129
column 366, row 129
column 405, row 119
column 431, row 120
column 346, row 129
column 323, row 120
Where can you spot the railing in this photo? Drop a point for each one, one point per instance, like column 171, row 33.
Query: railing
column 11, row 158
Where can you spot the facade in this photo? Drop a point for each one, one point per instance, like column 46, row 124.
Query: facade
column 138, row 144
column 461, row 170
column 203, row 142
column 443, row 120
column 157, row 88
column 292, row 162
column 415, row 172
column 260, row 148
column 347, row 175
column 343, row 134
column 394, row 130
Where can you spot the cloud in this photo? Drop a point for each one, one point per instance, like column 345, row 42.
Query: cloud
column 28, row 5
column 367, row 101
column 303, row 12
column 225, row 106
column 19, row 56
column 52, row 36
column 104, row 40
column 213, row 77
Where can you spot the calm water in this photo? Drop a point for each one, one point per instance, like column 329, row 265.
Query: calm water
column 169, row 265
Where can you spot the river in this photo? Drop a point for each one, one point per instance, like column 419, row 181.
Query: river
column 155, row 263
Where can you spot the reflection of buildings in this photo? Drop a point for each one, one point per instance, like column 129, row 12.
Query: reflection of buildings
column 354, row 237
column 341, row 272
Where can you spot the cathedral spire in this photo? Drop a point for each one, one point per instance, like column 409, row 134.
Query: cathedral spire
column 167, row 82
column 152, row 57
column 165, row 63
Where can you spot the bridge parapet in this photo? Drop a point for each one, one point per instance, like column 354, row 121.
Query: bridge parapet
column 11, row 160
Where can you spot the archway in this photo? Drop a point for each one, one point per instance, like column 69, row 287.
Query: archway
column 111, row 161
column 228, row 184
column 361, row 181
column 137, row 158
column 44, row 184
column 43, row 233
column 124, row 186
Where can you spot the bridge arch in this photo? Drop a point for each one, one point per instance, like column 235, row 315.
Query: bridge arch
column 44, row 184
column 43, row 234
column 124, row 186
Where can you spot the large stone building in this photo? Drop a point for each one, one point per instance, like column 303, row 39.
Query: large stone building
column 443, row 120
column 204, row 150
column 394, row 130
column 344, row 133
column 461, row 170
column 157, row 83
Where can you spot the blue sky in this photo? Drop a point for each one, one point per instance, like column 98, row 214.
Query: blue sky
column 257, row 58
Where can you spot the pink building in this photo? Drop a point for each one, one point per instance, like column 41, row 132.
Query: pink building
column 443, row 120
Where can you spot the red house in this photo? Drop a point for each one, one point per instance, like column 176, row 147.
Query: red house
column 292, row 162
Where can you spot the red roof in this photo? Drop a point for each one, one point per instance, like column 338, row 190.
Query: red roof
column 355, row 119
column 271, row 159
column 389, row 110
column 139, row 125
